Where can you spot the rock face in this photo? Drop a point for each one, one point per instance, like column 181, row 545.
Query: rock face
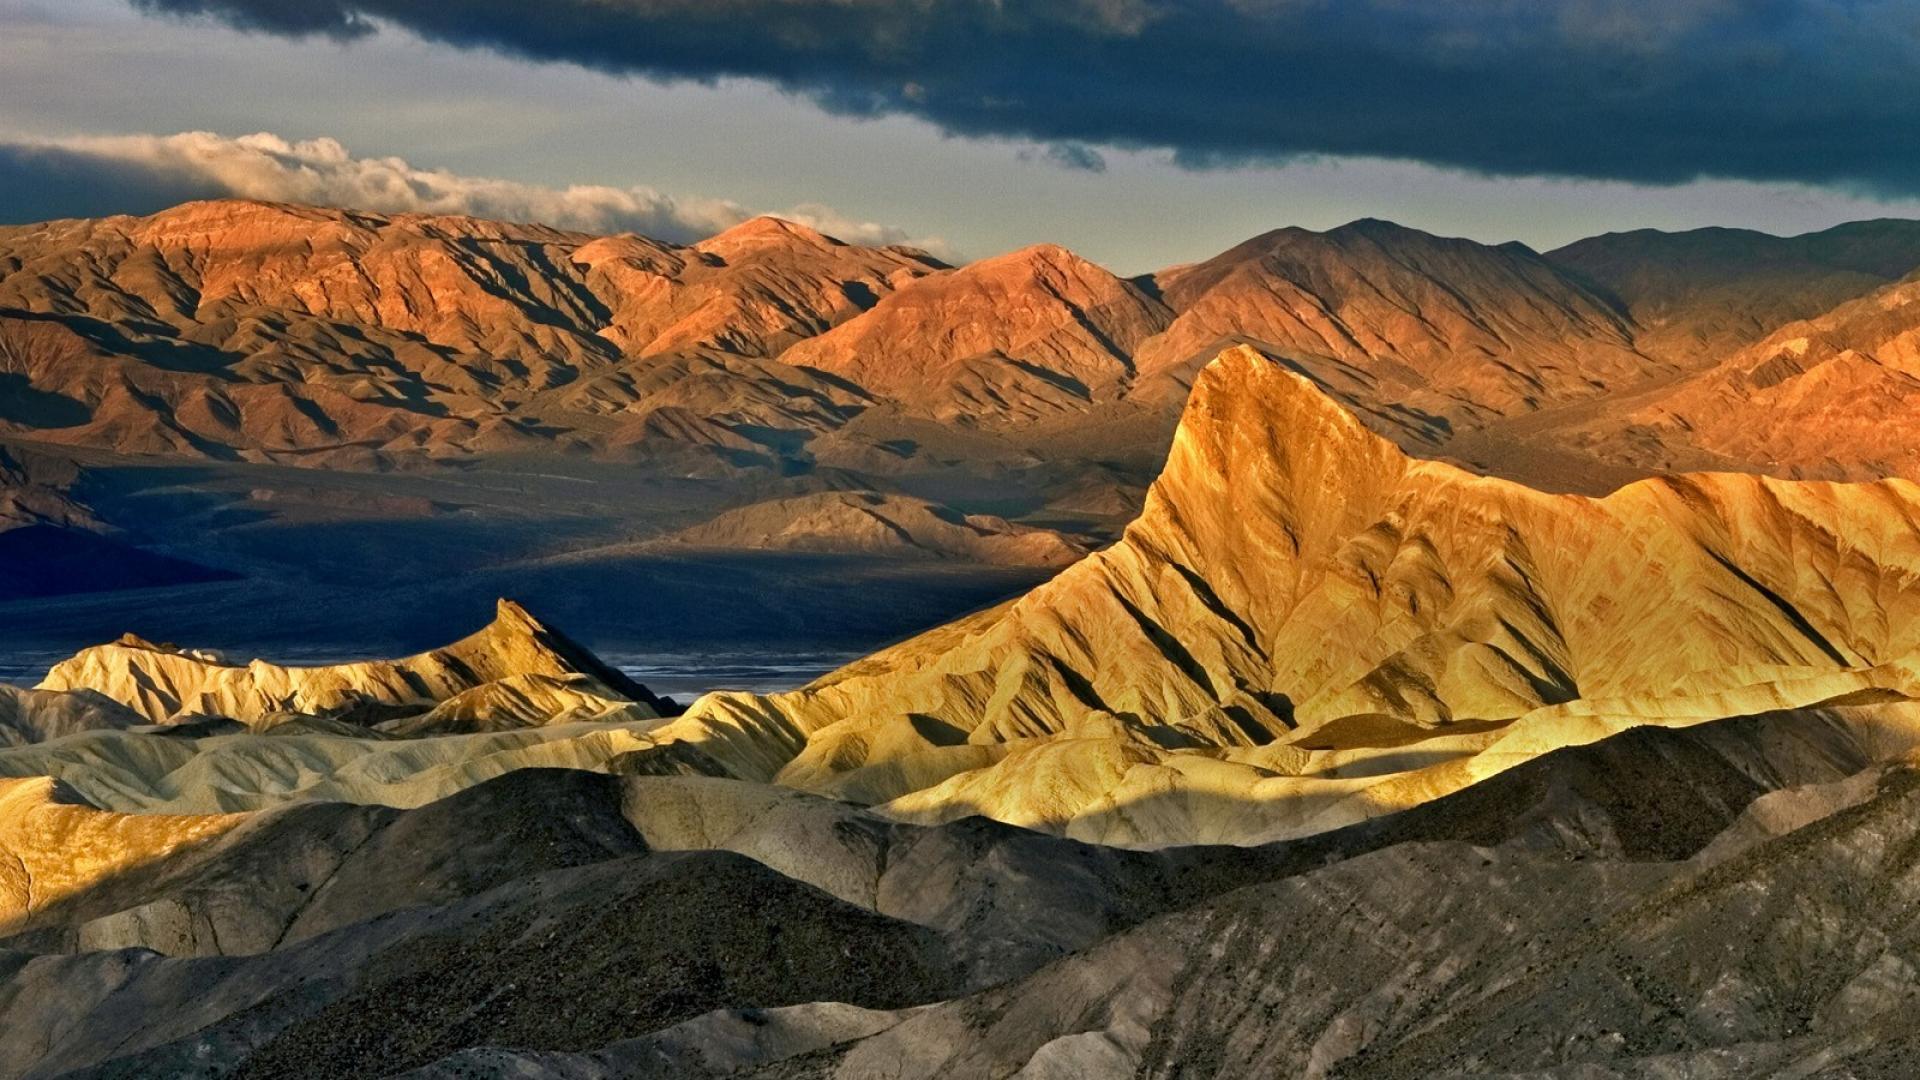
column 1298, row 587
column 889, row 525
column 486, row 680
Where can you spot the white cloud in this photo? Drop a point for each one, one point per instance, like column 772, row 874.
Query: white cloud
column 324, row 172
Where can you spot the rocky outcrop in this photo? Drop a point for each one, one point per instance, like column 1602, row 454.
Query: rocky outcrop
column 479, row 682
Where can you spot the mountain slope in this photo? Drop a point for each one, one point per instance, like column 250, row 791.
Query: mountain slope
column 1019, row 337
column 319, row 936
column 58, row 847
column 234, row 328
column 648, row 940
column 1833, row 397
column 752, row 290
column 1703, row 293
column 459, row 910
column 1426, row 326
column 1295, row 577
column 1450, row 960
column 1280, row 521
column 32, row 716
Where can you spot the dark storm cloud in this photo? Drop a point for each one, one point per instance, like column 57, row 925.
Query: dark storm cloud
column 40, row 183
column 294, row 18
column 1824, row 91
column 1077, row 156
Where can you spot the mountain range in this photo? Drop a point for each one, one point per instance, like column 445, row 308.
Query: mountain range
column 1339, row 762
column 239, row 330
column 186, row 399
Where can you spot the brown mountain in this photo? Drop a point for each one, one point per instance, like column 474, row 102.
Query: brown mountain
column 239, row 328
column 1020, row 337
column 1834, row 397
column 1700, row 294
column 233, row 329
column 750, row 291
column 1412, row 325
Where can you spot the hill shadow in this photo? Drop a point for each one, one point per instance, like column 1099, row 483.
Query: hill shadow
column 23, row 403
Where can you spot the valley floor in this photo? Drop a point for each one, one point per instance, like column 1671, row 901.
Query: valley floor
column 305, row 555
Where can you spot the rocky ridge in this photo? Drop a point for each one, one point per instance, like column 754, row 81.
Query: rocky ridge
column 1296, row 582
column 515, row 671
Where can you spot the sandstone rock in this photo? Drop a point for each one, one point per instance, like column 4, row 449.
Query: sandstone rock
column 164, row 683
column 1292, row 569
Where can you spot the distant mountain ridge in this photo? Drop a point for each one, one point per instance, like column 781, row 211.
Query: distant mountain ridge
column 1839, row 394
column 1446, row 328
column 1711, row 289
column 234, row 328
column 255, row 331
column 1021, row 336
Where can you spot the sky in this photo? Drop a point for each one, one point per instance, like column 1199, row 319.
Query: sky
column 1140, row 133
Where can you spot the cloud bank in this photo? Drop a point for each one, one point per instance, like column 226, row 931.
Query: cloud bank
column 1661, row 91
column 87, row 176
